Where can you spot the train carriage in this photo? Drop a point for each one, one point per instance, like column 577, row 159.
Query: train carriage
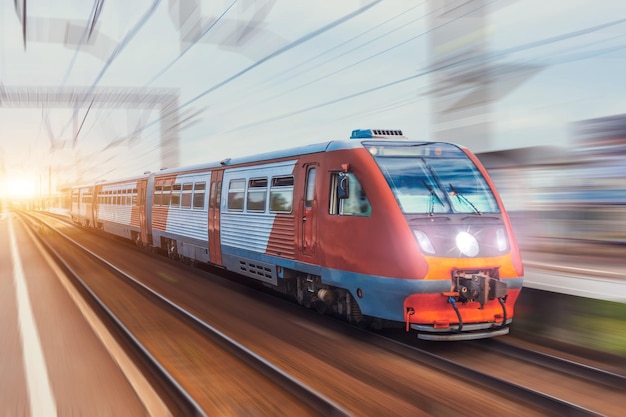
column 377, row 229
column 120, row 208
column 178, row 215
column 82, row 208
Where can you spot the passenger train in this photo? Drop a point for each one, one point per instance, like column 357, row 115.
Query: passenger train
column 378, row 229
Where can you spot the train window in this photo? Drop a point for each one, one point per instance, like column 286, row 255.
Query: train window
column 310, row 188
column 187, row 193
column 167, row 195
column 175, row 200
column 281, row 194
column 212, row 195
column 356, row 203
column 156, row 200
column 257, row 194
column 199, row 191
column 236, row 189
column 212, row 199
column 218, row 195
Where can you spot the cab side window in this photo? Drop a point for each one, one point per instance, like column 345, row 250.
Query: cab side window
column 347, row 196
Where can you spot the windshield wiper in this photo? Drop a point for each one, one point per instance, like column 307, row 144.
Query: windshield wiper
column 461, row 197
column 433, row 196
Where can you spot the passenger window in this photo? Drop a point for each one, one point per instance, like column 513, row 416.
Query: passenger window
column 356, row 203
column 167, row 195
column 156, row 199
column 236, row 189
column 199, row 191
column 175, row 200
column 257, row 194
column 187, row 193
column 281, row 194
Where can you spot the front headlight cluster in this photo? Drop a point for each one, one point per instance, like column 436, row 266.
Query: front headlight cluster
column 465, row 242
column 424, row 242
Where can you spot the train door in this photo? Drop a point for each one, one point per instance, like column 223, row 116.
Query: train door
column 142, row 187
column 309, row 215
column 215, row 199
column 83, row 207
column 95, row 204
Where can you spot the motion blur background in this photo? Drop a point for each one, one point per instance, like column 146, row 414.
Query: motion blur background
column 110, row 89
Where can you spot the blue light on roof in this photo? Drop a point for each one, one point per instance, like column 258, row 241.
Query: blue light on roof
column 375, row 133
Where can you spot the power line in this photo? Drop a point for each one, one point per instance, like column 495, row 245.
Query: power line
column 472, row 60
column 204, row 32
column 272, row 55
column 118, row 49
column 343, row 55
column 328, row 51
column 282, row 50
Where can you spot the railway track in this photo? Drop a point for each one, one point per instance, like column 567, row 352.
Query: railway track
column 370, row 359
column 252, row 369
column 575, row 367
column 483, row 362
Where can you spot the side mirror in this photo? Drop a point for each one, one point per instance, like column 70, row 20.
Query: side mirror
column 343, row 186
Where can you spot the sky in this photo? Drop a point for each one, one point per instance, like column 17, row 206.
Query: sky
column 229, row 78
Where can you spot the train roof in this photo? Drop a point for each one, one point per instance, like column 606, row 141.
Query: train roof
column 105, row 181
column 279, row 154
column 356, row 140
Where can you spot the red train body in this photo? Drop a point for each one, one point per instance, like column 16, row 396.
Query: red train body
column 377, row 229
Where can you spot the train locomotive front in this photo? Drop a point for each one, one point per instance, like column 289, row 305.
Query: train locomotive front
column 378, row 229
column 468, row 272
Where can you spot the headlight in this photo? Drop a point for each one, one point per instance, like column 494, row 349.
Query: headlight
column 467, row 244
column 501, row 240
column 424, row 241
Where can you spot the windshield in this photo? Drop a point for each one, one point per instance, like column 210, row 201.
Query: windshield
column 434, row 178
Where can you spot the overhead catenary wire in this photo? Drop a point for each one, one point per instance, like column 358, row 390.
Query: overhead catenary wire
column 304, row 39
column 191, row 45
column 309, row 61
column 276, row 78
column 464, row 62
column 268, row 57
column 118, row 49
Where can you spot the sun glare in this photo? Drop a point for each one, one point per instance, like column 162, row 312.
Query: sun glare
column 18, row 188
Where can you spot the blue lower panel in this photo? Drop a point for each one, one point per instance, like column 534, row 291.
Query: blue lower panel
column 383, row 297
